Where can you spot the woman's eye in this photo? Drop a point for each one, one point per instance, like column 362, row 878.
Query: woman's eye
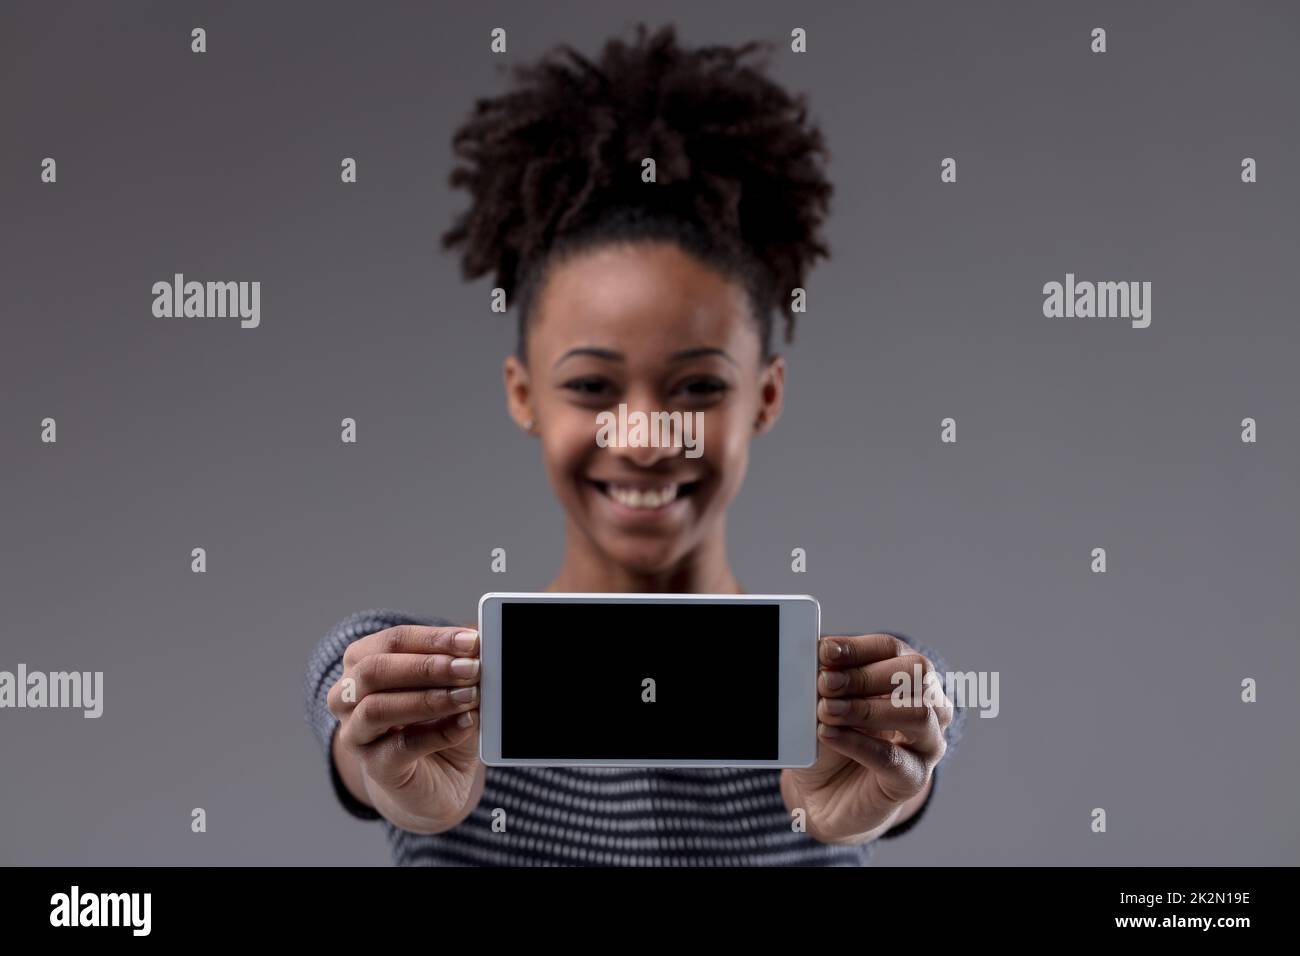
column 587, row 386
column 704, row 387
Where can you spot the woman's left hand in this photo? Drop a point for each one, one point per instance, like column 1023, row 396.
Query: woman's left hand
column 876, row 755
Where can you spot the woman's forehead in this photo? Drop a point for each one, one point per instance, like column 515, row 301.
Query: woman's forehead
column 647, row 297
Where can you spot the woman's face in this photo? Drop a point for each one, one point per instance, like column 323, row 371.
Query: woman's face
column 649, row 326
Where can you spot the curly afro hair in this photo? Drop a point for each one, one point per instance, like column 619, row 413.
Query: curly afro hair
column 554, row 167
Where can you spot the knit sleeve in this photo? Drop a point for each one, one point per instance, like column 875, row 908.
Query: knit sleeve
column 952, row 734
column 325, row 667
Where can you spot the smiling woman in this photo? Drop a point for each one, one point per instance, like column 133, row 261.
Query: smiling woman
column 656, row 297
column 647, row 325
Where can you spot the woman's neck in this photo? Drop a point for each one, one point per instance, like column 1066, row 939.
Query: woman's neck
column 704, row 571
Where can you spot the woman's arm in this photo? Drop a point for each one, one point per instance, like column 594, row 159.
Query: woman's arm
column 912, row 810
column 324, row 669
column 347, row 766
column 878, row 759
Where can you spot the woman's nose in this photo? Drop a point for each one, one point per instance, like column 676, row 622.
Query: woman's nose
column 646, row 456
column 638, row 434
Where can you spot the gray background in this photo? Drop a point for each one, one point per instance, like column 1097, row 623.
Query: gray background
column 1118, row 690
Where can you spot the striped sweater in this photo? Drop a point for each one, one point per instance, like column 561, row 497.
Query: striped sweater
column 598, row 816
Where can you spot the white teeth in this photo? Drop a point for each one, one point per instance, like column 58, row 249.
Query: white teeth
column 635, row 498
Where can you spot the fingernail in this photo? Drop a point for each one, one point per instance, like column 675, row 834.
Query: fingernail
column 827, row 730
column 465, row 719
column 833, row 680
column 833, row 650
column 462, row 694
column 465, row 666
column 464, row 641
column 835, row 706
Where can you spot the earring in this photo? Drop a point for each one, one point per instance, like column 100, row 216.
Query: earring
column 528, row 425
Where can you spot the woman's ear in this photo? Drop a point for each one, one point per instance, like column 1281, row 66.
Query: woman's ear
column 519, row 393
column 771, row 394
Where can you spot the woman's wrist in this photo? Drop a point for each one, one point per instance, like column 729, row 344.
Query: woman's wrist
column 349, row 771
column 404, row 819
column 794, row 802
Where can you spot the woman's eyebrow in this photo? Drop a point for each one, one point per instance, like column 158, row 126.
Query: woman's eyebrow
column 613, row 356
column 590, row 350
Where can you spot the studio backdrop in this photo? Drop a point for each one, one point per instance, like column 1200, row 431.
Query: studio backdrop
column 1041, row 407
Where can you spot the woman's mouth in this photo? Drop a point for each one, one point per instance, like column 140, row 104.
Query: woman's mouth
column 642, row 497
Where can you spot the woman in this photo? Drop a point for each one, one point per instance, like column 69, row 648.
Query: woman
column 650, row 285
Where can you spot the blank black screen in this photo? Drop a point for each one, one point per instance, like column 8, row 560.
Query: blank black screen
column 571, row 681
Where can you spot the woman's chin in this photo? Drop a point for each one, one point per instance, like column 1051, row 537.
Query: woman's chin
column 643, row 557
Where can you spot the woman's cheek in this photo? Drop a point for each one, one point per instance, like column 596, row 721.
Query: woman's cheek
column 727, row 457
column 565, row 462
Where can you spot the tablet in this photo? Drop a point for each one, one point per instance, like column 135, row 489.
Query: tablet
column 648, row 680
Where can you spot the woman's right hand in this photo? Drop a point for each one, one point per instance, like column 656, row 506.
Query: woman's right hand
column 407, row 705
